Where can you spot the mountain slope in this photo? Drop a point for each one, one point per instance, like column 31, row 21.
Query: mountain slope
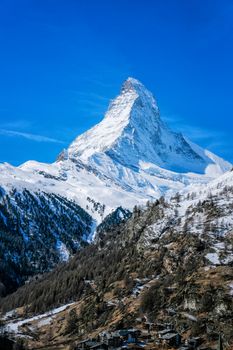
column 169, row 262
column 130, row 157
column 37, row 231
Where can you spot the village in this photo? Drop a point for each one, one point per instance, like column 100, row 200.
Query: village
column 138, row 333
column 162, row 334
column 154, row 336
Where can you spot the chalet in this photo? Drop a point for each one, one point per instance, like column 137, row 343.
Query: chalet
column 193, row 343
column 164, row 331
column 130, row 335
column 149, row 326
column 168, row 326
column 139, row 320
column 112, row 339
column 104, row 335
column 82, row 344
column 145, row 336
column 171, row 339
column 162, row 326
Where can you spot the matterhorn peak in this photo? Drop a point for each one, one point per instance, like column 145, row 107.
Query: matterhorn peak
column 131, row 114
column 132, row 84
column 132, row 133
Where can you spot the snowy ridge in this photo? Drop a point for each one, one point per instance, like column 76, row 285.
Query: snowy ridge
column 130, row 157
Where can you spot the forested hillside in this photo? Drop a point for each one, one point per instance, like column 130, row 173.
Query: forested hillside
column 173, row 255
column 37, row 231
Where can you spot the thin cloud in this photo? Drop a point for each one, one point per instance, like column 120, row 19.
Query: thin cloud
column 199, row 133
column 191, row 131
column 29, row 136
column 98, row 82
column 91, row 103
column 16, row 124
column 91, row 100
column 90, row 95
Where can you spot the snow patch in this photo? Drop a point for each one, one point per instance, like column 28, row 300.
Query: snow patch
column 13, row 327
column 213, row 258
column 63, row 251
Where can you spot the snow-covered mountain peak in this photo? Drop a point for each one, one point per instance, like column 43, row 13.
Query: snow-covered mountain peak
column 132, row 134
column 132, row 112
column 142, row 94
column 132, row 85
column 129, row 157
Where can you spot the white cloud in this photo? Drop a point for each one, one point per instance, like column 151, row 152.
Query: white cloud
column 29, row 136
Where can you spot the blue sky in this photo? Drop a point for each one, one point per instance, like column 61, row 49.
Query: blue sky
column 62, row 61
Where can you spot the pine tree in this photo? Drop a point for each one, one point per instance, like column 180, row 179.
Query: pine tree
column 220, row 343
column 72, row 322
